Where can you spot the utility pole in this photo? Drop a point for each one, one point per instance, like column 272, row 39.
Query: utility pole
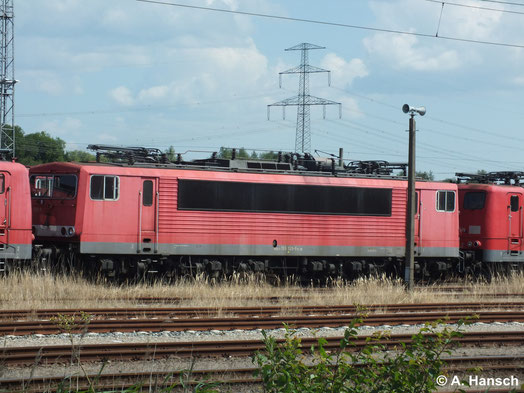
column 409, row 263
column 303, row 100
column 7, row 80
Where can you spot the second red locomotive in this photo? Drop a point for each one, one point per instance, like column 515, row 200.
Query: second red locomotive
column 491, row 220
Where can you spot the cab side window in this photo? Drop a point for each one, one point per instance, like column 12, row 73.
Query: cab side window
column 445, row 201
column 104, row 187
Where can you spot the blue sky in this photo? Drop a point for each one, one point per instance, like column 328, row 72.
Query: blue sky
column 132, row 73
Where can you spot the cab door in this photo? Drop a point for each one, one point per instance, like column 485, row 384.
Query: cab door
column 149, row 215
column 514, row 218
column 5, row 210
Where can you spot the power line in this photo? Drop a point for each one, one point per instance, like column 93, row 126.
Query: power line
column 477, row 7
column 503, row 2
column 319, row 22
column 142, row 108
column 454, row 135
column 449, row 123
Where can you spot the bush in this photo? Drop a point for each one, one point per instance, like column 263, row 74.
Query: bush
column 412, row 367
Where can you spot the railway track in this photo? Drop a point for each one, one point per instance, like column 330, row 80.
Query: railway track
column 299, row 297
column 57, row 354
column 325, row 292
column 171, row 312
column 107, row 381
column 253, row 322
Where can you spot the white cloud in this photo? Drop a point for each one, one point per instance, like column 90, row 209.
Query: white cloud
column 519, row 80
column 350, row 107
column 122, row 95
column 424, row 17
column 106, row 138
column 432, row 54
column 42, row 81
column 205, row 74
column 64, row 127
column 471, row 23
column 405, row 52
column 344, row 72
column 153, row 93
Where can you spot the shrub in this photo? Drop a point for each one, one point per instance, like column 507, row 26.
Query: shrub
column 410, row 367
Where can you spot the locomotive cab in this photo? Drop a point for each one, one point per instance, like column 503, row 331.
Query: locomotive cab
column 491, row 222
column 54, row 200
column 15, row 216
column 491, row 219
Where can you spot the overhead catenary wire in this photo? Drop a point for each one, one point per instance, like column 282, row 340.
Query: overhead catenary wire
column 503, row 2
column 345, row 25
column 436, row 119
column 475, row 7
column 144, row 108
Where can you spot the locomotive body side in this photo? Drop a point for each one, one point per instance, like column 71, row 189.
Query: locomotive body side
column 128, row 224
column 15, row 212
column 130, row 218
column 491, row 222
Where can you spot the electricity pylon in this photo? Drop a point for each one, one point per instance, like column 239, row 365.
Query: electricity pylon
column 7, row 79
column 304, row 100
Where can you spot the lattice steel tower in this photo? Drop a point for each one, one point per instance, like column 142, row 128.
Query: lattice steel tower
column 304, row 100
column 7, row 80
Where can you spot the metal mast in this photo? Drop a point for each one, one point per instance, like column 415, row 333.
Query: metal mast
column 7, row 80
column 304, row 100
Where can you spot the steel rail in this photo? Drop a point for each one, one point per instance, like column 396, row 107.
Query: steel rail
column 249, row 323
column 56, row 354
column 171, row 312
column 107, row 381
column 277, row 299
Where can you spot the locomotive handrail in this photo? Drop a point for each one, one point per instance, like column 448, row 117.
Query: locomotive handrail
column 8, row 229
column 139, row 244
column 520, row 226
column 420, row 223
column 156, row 219
column 509, row 229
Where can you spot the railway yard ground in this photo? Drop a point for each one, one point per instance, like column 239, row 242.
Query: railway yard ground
column 63, row 331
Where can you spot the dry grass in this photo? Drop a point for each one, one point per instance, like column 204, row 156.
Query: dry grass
column 30, row 291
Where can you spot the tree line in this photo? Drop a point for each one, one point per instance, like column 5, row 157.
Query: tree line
column 40, row 147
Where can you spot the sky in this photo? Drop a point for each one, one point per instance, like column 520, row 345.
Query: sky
column 134, row 73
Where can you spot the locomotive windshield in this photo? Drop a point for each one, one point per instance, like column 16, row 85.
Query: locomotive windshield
column 474, row 200
column 53, row 186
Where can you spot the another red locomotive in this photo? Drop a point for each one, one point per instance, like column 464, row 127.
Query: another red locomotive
column 491, row 219
column 294, row 216
column 15, row 214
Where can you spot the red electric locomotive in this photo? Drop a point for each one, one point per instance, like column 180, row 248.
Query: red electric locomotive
column 15, row 214
column 491, row 221
column 292, row 216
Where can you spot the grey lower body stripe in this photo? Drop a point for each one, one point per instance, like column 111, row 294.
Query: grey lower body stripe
column 16, row 251
column 261, row 250
column 493, row 256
